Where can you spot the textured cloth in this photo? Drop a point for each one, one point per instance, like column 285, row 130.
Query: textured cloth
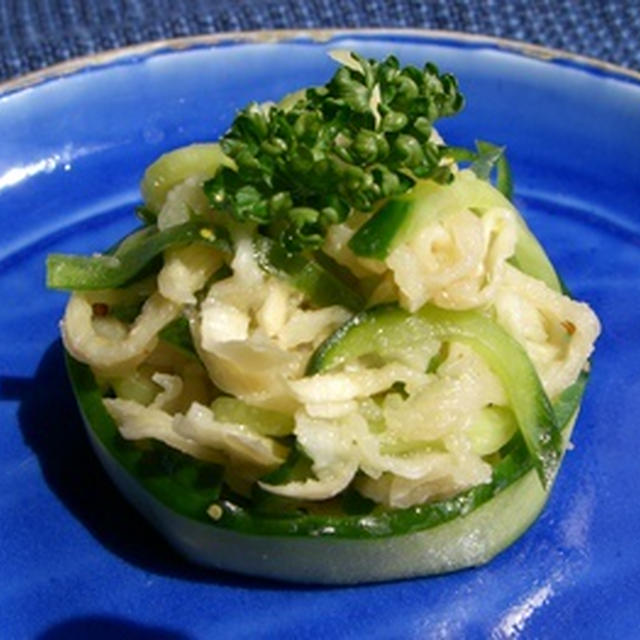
column 38, row 33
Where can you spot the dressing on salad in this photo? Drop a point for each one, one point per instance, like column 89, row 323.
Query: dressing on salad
column 331, row 304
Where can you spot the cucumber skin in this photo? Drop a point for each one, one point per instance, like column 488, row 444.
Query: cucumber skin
column 177, row 165
column 86, row 273
column 427, row 202
column 375, row 238
column 305, row 274
column 467, row 541
column 374, row 327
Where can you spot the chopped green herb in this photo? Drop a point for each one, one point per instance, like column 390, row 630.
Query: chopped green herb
column 364, row 136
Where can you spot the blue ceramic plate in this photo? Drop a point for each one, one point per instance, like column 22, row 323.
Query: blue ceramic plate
column 77, row 561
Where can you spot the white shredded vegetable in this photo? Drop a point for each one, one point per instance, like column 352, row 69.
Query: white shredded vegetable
column 557, row 332
column 114, row 354
column 186, row 270
column 348, row 385
column 172, row 387
column 332, row 448
column 137, row 422
column 457, row 263
column 182, row 202
column 237, row 441
column 400, row 435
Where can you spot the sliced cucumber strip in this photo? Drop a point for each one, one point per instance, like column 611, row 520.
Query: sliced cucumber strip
column 176, row 493
column 322, row 287
column 493, row 428
column 388, row 327
column 379, row 523
column 137, row 386
column 176, row 166
column 264, row 421
column 400, row 217
column 110, row 271
column 377, row 237
column 322, row 558
column 429, row 202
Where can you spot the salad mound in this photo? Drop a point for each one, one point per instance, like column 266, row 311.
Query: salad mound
column 331, row 326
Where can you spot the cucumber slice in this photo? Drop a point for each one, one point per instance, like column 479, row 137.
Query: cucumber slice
column 388, row 327
column 264, row 421
column 175, row 494
column 429, row 202
column 426, row 203
column 110, row 271
column 137, row 386
column 493, row 428
column 307, row 275
column 385, row 229
column 176, row 166
column 467, row 541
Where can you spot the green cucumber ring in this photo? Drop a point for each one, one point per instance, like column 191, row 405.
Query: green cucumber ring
column 465, row 531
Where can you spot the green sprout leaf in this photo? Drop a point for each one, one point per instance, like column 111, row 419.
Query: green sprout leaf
column 363, row 137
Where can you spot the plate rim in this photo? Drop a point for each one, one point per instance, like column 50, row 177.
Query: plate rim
column 104, row 59
column 119, row 609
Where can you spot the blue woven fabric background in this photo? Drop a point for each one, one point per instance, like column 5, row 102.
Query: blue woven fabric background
column 38, row 33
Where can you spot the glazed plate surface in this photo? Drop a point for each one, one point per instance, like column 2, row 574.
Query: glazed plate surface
column 78, row 561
